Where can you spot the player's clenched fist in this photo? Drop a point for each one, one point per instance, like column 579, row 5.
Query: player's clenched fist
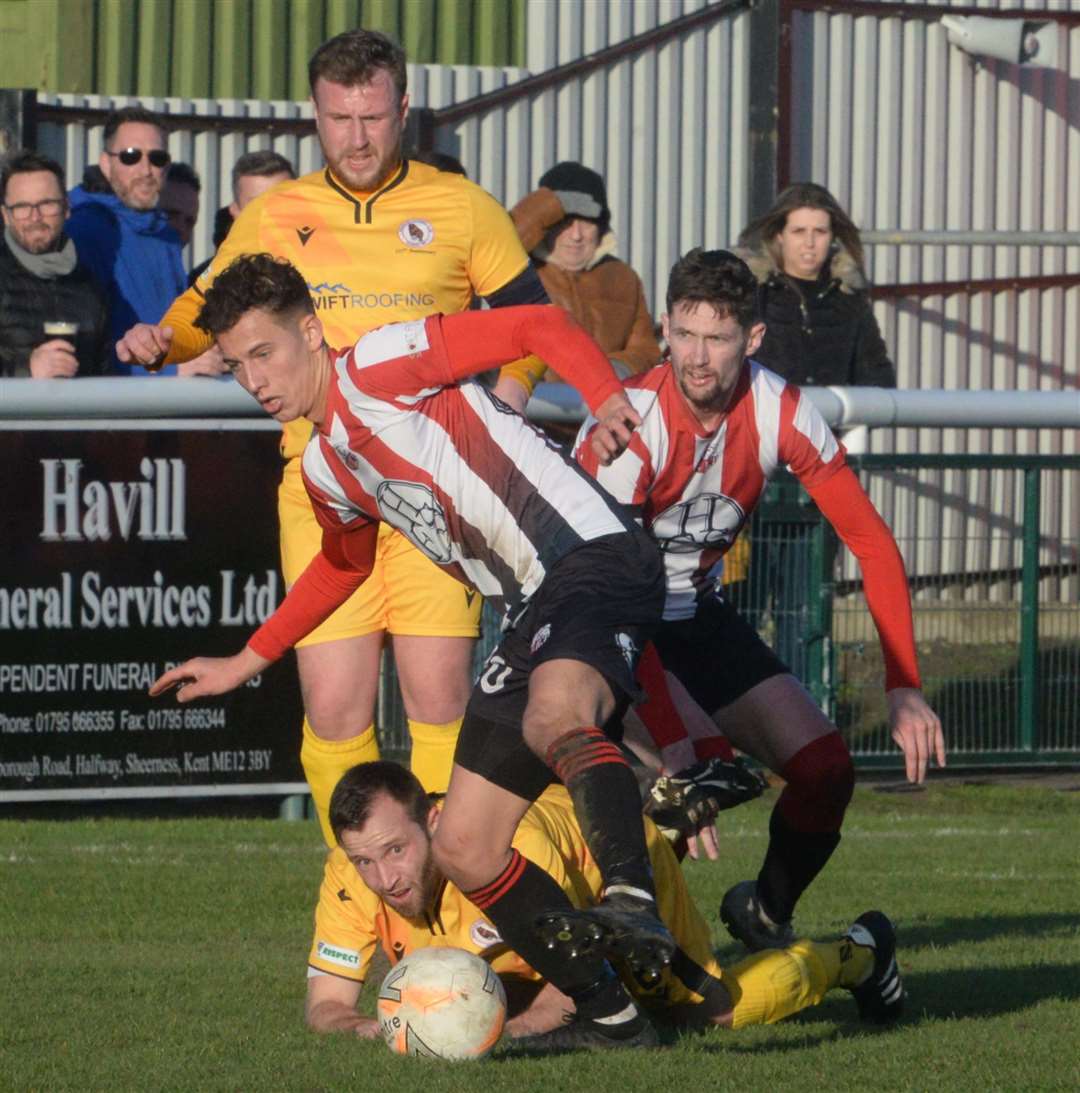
column 202, row 676
column 145, row 344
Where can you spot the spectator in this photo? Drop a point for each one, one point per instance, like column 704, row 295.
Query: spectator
column 42, row 282
column 819, row 329
column 122, row 237
column 93, row 181
column 565, row 225
column 252, row 174
column 180, row 200
column 819, row 326
column 180, row 204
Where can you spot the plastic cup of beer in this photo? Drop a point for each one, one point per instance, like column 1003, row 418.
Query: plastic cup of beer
column 60, row 328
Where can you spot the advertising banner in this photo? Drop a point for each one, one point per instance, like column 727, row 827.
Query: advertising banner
column 126, row 551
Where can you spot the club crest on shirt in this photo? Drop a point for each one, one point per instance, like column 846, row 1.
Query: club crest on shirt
column 540, row 637
column 708, row 520
column 415, row 511
column 416, row 232
column 483, row 935
column 347, row 457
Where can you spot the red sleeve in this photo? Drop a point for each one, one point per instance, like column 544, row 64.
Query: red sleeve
column 333, row 575
column 477, row 340
column 845, row 505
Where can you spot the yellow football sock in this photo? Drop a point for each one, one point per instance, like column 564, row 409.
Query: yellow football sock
column 772, row 985
column 325, row 761
column 433, row 752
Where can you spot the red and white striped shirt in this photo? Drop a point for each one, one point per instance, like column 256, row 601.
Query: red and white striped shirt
column 469, row 482
column 694, row 490
column 475, row 488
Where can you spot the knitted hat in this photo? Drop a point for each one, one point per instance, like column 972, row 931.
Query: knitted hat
column 575, row 179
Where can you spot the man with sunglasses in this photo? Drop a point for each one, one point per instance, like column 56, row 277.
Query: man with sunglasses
column 42, row 282
column 122, row 236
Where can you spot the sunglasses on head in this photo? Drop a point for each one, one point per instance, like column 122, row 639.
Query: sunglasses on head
column 130, row 156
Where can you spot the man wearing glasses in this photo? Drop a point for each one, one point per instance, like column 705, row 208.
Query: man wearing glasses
column 52, row 313
column 122, row 237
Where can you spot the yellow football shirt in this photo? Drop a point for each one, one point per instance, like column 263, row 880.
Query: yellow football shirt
column 350, row 920
column 426, row 241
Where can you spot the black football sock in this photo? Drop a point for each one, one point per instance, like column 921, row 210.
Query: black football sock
column 607, row 804
column 793, row 860
column 512, row 901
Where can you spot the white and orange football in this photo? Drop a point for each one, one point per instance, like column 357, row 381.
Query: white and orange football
column 443, row 1003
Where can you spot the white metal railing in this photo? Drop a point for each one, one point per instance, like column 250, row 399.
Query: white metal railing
column 842, row 407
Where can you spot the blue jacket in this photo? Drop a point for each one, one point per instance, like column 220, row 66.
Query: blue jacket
column 133, row 255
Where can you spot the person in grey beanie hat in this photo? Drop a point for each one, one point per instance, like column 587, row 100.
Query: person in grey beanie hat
column 581, row 193
column 565, row 225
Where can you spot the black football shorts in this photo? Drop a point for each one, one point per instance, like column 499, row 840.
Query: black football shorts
column 717, row 655
column 598, row 604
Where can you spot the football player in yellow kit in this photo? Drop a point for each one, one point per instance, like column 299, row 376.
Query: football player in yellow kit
column 378, row 239
column 381, row 887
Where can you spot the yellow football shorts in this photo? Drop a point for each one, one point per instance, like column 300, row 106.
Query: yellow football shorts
column 406, row 594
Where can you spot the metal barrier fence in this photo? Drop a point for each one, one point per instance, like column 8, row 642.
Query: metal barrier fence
column 997, row 618
column 997, row 625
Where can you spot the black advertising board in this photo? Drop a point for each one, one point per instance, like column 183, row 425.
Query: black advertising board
column 125, row 551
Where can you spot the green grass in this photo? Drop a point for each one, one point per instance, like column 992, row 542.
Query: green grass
column 170, row 955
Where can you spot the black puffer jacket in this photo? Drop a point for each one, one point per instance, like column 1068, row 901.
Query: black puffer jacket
column 28, row 302
column 821, row 333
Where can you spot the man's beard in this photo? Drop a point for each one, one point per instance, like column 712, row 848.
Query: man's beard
column 141, row 199
column 712, row 399
column 40, row 244
column 374, row 174
column 421, row 894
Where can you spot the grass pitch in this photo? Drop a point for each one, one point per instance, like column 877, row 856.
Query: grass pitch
column 170, row 955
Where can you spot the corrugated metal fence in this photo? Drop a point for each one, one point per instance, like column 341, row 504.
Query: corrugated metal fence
column 909, row 133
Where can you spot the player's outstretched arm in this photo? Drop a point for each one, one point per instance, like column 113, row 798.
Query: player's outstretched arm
column 477, row 340
column 915, row 727
column 204, row 676
column 331, row 577
column 916, row 730
column 331, row 1007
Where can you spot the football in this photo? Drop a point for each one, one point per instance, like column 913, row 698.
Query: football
column 442, row 1003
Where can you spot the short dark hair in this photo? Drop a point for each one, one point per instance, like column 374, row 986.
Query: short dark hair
column 261, row 163
column 718, row 278
column 130, row 114
column 360, row 786
column 25, row 162
column 355, row 56
column 253, row 281
column 185, row 174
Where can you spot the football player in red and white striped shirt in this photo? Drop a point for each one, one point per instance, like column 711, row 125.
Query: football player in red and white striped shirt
column 397, row 438
column 715, row 426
